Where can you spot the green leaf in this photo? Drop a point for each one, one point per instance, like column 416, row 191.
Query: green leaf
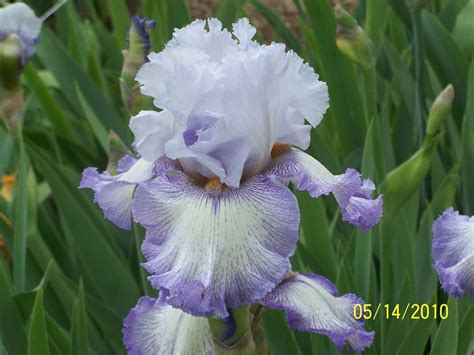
column 97, row 127
column 48, row 103
column 12, row 330
column 466, row 333
column 79, row 339
column 280, row 339
column 316, row 237
column 120, row 20
column 69, row 74
column 447, row 59
column 464, row 29
column 229, row 11
column 346, row 103
column 417, row 337
column 20, row 219
column 104, row 269
column 467, row 162
column 446, row 339
column 38, row 335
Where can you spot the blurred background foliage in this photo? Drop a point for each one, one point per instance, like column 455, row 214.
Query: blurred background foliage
column 68, row 277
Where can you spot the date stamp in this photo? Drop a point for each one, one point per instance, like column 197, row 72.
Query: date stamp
column 412, row 311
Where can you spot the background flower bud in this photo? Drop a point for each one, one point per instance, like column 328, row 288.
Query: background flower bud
column 135, row 55
column 440, row 109
column 11, row 51
column 404, row 180
column 352, row 41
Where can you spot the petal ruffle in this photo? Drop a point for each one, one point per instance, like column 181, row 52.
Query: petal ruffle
column 453, row 252
column 152, row 130
column 114, row 193
column 312, row 305
column 210, row 249
column 154, row 328
column 352, row 194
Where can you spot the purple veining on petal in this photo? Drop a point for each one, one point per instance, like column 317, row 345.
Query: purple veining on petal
column 212, row 251
column 312, row 305
column 114, row 193
column 360, row 209
column 453, row 252
column 352, row 194
column 154, row 327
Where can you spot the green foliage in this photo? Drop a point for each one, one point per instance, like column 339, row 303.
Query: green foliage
column 70, row 277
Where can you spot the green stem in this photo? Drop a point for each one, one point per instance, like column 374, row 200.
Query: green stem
column 239, row 341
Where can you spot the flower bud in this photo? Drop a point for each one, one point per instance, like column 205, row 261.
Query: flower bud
column 439, row 110
column 404, row 180
column 11, row 52
column 138, row 47
column 352, row 41
column 117, row 150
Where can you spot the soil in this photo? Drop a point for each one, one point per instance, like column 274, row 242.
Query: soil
column 285, row 8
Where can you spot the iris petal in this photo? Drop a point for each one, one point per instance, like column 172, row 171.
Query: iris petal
column 19, row 19
column 210, row 250
column 453, row 252
column 114, row 193
column 154, row 328
column 312, row 305
column 352, row 194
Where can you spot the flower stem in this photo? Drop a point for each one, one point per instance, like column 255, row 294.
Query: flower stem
column 233, row 335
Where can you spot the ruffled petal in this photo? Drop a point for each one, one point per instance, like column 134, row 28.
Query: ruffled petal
column 352, row 194
column 244, row 32
column 312, row 305
column 453, row 252
column 215, row 248
column 154, row 328
column 152, row 130
column 19, row 19
column 114, row 193
column 214, row 41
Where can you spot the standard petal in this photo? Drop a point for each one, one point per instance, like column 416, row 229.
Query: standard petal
column 114, row 193
column 20, row 19
column 312, row 305
column 152, row 130
column 212, row 249
column 154, row 328
column 352, row 194
column 215, row 41
column 453, row 252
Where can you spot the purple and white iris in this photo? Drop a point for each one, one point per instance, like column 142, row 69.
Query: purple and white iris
column 453, row 252
column 211, row 189
column 19, row 20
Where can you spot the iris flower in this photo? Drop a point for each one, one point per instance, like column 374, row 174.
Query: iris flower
column 211, row 190
column 19, row 20
column 453, row 252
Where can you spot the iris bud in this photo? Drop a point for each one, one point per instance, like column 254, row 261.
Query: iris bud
column 11, row 51
column 352, row 41
column 439, row 110
column 138, row 48
column 404, row 180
